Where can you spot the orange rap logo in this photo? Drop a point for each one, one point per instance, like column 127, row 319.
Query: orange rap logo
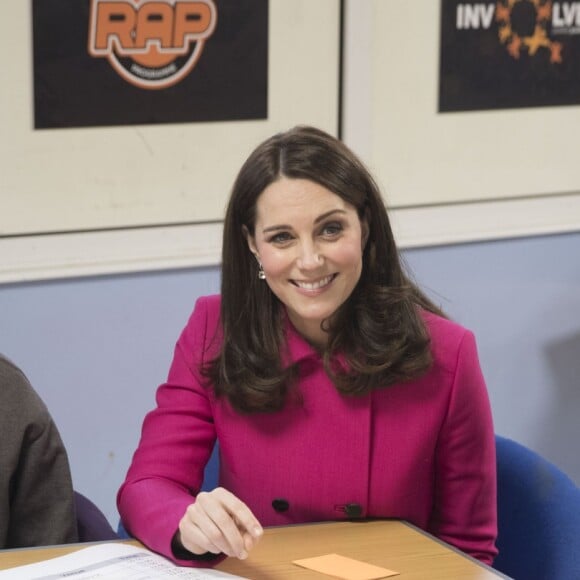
column 152, row 44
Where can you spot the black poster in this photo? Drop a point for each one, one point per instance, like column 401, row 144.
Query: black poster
column 125, row 62
column 508, row 54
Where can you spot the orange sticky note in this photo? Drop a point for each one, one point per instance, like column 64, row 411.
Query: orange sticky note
column 343, row 567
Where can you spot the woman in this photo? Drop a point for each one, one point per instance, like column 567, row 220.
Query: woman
column 334, row 387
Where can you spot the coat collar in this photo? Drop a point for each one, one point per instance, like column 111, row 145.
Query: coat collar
column 298, row 350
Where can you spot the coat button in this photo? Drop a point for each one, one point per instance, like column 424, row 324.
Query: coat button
column 280, row 504
column 353, row 510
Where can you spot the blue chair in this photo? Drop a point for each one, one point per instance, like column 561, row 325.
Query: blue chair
column 92, row 524
column 212, row 471
column 538, row 516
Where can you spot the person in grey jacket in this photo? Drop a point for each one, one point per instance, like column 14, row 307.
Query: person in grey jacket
column 36, row 495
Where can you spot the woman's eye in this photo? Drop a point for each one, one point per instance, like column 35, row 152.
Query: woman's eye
column 332, row 229
column 280, row 238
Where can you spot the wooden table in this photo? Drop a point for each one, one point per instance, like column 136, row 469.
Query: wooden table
column 391, row 544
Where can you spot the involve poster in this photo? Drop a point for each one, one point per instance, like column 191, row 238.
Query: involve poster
column 509, row 54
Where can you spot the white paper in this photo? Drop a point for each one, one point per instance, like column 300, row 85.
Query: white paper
column 110, row 560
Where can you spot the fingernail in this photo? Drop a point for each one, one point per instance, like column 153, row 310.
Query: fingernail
column 243, row 555
column 257, row 532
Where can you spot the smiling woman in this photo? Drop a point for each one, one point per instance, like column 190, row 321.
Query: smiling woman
column 319, row 346
column 308, row 209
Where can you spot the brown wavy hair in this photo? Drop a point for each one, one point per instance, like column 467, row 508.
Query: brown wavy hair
column 379, row 329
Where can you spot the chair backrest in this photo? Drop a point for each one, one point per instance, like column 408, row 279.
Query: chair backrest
column 211, row 473
column 92, row 524
column 538, row 516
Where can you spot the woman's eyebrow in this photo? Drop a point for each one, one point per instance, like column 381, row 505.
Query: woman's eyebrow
column 275, row 228
column 328, row 214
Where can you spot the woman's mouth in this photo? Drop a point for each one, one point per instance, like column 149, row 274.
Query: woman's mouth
column 314, row 284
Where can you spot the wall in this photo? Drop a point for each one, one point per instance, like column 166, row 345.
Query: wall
column 522, row 299
column 96, row 348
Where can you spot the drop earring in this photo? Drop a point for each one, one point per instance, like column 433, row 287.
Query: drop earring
column 261, row 273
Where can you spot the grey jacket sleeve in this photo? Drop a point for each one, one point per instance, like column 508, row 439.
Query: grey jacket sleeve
column 36, row 494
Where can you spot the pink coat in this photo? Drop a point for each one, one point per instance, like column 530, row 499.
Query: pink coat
column 423, row 451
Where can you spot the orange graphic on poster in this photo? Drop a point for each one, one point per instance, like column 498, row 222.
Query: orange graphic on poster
column 515, row 39
column 152, row 44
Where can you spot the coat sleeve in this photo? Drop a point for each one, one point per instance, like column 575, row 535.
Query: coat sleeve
column 465, row 487
column 42, row 509
column 177, row 439
column 36, row 494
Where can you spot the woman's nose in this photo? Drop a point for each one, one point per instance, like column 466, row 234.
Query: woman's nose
column 309, row 257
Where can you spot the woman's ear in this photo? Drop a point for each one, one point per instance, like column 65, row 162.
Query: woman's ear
column 365, row 230
column 250, row 241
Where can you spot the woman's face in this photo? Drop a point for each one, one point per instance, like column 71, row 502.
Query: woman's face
column 310, row 243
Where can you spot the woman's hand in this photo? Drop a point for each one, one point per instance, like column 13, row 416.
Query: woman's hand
column 219, row 522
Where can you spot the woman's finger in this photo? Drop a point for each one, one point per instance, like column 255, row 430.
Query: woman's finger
column 240, row 512
column 199, row 531
column 194, row 540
